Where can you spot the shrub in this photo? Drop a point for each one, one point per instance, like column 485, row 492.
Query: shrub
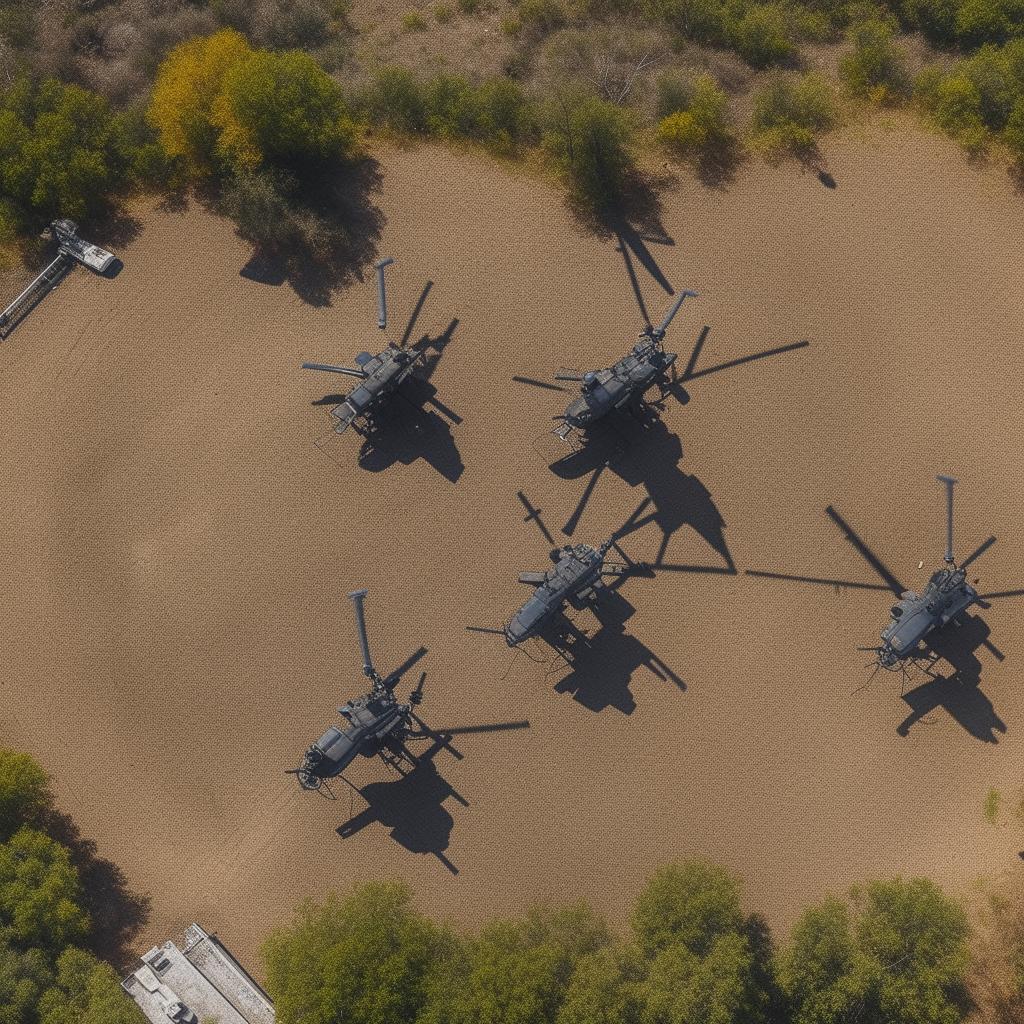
column 365, row 957
column 1013, row 136
column 468, row 6
column 413, row 21
column 541, row 17
column 875, row 68
column 40, row 894
column 703, row 21
column 991, row 807
column 63, row 152
column 701, row 125
column 762, row 36
column 589, row 141
column 395, row 99
column 791, row 111
column 984, row 21
column 86, row 992
column 896, row 951
column 955, row 104
column 24, row 786
column 935, row 18
column 443, row 14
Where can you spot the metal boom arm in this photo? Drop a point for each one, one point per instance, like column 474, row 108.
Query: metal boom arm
column 949, row 482
column 358, row 597
column 349, row 371
column 671, row 315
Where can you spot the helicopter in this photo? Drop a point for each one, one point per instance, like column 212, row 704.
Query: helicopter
column 377, row 724
column 380, row 375
column 576, row 578
column 623, row 384
column 914, row 617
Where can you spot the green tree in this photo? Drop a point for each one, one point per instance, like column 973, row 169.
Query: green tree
column 364, row 959
column 24, row 977
column 605, row 988
column 518, row 970
column 589, row 140
column 896, row 952
column 24, row 791
column 700, row 124
column 791, row 111
column 763, row 36
column 281, row 109
column 875, row 67
column 86, row 991
column 690, row 904
column 63, row 152
column 40, row 893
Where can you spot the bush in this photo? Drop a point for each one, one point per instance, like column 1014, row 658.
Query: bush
column 875, row 69
column 40, row 894
column 63, row 152
column 955, row 105
column 589, row 141
column 395, row 99
column 413, row 21
column 86, row 991
column 24, row 787
column 701, row 124
column 365, row 958
column 763, row 36
column 791, row 111
column 541, row 17
column 897, row 951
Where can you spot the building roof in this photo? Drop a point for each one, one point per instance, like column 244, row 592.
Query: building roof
column 203, row 976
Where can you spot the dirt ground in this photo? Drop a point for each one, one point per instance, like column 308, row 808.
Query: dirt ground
column 180, row 529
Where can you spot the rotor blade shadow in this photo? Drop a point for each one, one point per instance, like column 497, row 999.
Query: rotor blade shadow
column 747, row 359
column 539, row 383
column 631, row 272
column 407, row 664
column 462, row 730
column 978, row 552
column 533, row 514
column 1002, row 593
column 415, row 314
column 866, row 553
column 695, row 354
column 574, row 520
column 815, row 579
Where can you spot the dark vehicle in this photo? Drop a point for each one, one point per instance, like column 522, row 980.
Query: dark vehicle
column 624, row 384
column 915, row 617
column 379, row 375
column 375, row 724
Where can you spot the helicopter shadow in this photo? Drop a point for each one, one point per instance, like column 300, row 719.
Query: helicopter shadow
column 602, row 665
column 416, row 424
column 674, row 499
column 959, row 691
column 412, row 807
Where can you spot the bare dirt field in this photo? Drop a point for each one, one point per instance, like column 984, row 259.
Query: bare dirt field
column 180, row 528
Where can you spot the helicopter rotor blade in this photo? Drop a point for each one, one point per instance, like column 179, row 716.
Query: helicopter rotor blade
column 485, row 629
column 391, row 680
column 382, row 298
column 865, row 552
column 565, row 374
column 950, row 483
column 539, row 383
column 465, row 730
column 349, row 371
column 671, row 315
column 978, row 552
column 358, row 597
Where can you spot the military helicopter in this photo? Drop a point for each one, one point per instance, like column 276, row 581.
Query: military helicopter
column 576, row 578
column 916, row 616
column 380, row 375
column 624, row 383
column 377, row 724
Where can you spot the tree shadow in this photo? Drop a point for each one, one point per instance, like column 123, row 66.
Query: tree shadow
column 117, row 913
column 341, row 230
column 412, row 808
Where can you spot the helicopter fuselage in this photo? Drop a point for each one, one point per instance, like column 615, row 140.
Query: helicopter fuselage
column 612, row 388
column 372, row 721
column 575, row 577
column 382, row 374
column 946, row 595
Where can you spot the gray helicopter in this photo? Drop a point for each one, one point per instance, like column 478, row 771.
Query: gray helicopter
column 377, row 724
column 624, row 384
column 576, row 578
column 380, row 375
column 916, row 616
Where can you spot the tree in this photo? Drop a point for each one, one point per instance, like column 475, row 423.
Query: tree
column 875, row 68
column 518, row 971
column 40, row 893
column 86, row 991
column 363, row 959
column 63, row 152
column 895, row 952
column 700, row 125
column 24, row 977
column 24, row 791
column 791, row 111
column 605, row 988
column 691, row 904
column 589, row 140
column 188, row 83
column 281, row 109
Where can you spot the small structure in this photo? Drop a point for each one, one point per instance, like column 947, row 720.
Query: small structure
column 199, row 982
column 71, row 249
